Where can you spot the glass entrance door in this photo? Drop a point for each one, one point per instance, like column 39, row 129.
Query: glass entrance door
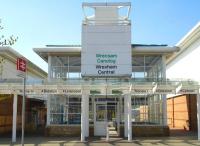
column 100, row 121
column 111, row 112
column 105, row 112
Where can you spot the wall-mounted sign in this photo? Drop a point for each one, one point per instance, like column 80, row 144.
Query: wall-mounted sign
column 21, row 64
column 106, row 50
column 21, row 67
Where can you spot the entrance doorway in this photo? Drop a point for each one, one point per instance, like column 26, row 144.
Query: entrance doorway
column 105, row 114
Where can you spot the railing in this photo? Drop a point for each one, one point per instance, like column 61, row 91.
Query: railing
column 107, row 22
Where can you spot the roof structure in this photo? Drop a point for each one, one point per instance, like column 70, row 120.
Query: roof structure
column 186, row 41
column 76, row 50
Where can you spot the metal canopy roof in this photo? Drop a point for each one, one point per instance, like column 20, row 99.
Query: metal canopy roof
column 75, row 50
column 101, row 87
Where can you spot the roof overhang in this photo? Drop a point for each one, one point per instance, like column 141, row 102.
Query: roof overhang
column 189, row 39
column 44, row 52
column 76, row 51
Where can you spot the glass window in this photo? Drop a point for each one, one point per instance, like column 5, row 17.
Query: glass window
column 147, row 67
column 63, row 67
column 65, row 110
column 147, row 109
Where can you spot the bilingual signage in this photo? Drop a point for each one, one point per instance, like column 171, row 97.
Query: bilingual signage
column 106, row 51
column 106, row 64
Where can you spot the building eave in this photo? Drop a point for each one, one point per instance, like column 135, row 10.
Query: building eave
column 76, row 51
column 186, row 41
column 12, row 55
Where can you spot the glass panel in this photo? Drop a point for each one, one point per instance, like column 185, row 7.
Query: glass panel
column 147, row 109
column 101, row 112
column 65, row 110
column 111, row 112
column 74, row 118
column 74, row 108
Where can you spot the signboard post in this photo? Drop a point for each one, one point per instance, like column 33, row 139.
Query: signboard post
column 21, row 68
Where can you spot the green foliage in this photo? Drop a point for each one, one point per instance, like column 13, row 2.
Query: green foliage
column 6, row 41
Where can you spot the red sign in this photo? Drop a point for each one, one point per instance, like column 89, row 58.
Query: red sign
column 21, row 64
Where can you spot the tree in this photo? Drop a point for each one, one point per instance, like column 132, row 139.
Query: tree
column 11, row 40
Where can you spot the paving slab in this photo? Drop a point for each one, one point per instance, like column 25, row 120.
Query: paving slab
column 96, row 141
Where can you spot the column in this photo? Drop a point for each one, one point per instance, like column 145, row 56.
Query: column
column 118, row 117
column 48, row 110
column 87, row 116
column 14, row 124
column 164, row 97
column 129, row 105
column 128, row 117
column 164, row 108
column 125, row 116
column 49, row 68
column 84, row 117
column 198, row 115
column 49, row 97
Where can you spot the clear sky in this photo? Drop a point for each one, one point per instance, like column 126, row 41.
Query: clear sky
column 41, row 22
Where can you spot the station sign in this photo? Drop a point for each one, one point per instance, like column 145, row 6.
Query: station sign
column 106, row 51
column 21, row 64
column 21, row 67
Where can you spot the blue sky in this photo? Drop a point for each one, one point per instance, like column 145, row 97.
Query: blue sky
column 41, row 22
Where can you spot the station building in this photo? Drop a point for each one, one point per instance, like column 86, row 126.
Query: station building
column 107, row 68
column 108, row 86
column 182, row 109
column 11, row 102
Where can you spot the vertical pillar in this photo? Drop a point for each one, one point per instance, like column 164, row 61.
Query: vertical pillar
column 198, row 115
column 118, row 117
column 84, row 117
column 164, row 108
column 125, row 117
column 129, row 105
column 49, row 68
column 164, row 97
column 48, row 110
column 128, row 116
column 87, row 116
column 14, row 123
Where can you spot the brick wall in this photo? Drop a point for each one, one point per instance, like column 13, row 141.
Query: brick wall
column 147, row 131
column 64, row 130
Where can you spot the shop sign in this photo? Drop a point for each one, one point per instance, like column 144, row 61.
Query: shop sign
column 188, row 91
column 117, row 92
column 164, row 91
column 95, row 92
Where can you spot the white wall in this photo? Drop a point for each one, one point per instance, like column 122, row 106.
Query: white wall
column 10, row 71
column 106, row 40
column 187, row 64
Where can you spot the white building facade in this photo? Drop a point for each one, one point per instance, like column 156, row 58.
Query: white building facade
column 105, row 77
column 10, row 76
column 185, row 65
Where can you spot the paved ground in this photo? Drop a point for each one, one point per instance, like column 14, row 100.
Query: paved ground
column 63, row 141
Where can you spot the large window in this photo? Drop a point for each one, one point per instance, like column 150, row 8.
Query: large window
column 65, row 110
column 63, row 67
column 147, row 109
column 147, row 67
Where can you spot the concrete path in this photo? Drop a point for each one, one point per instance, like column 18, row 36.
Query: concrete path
column 63, row 141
